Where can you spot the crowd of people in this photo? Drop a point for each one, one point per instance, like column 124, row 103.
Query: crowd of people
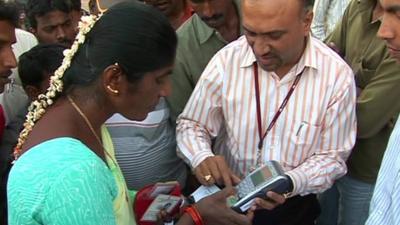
column 96, row 105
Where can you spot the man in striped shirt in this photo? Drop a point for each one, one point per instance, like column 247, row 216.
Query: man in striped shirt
column 385, row 207
column 280, row 95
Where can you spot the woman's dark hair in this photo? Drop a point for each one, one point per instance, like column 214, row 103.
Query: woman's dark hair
column 9, row 12
column 36, row 64
column 38, row 8
column 136, row 36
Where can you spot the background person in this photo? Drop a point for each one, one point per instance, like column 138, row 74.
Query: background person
column 52, row 21
column 377, row 80
column 8, row 23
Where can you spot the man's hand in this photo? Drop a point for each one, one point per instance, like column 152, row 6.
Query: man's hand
column 273, row 200
column 215, row 170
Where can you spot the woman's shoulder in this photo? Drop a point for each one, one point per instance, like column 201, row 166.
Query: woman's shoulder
column 53, row 157
column 62, row 148
column 58, row 167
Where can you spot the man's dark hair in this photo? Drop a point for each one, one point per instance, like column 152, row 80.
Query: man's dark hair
column 308, row 4
column 76, row 5
column 136, row 36
column 9, row 12
column 36, row 64
column 42, row 7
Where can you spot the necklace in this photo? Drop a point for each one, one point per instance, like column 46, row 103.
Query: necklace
column 84, row 117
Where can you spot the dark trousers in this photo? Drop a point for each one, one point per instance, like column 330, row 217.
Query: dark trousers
column 299, row 210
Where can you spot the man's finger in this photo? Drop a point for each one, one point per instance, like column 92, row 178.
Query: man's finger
column 279, row 199
column 214, row 170
column 250, row 212
column 225, row 172
column 235, row 179
column 203, row 174
column 265, row 204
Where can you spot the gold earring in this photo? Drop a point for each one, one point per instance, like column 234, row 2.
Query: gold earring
column 112, row 90
column 117, row 65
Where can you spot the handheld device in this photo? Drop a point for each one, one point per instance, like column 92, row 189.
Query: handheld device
column 269, row 177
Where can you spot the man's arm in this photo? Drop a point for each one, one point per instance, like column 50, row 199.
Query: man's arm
column 379, row 102
column 387, row 188
column 336, row 139
column 338, row 35
column 320, row 13
column 201, row 121
column 202, row 117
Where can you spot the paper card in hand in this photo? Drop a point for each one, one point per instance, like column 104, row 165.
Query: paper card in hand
column 148, row 194
column 161, row 202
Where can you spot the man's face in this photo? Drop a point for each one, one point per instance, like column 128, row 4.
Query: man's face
column 167, row 7
column 212, row 12
column 276, row 31
column 7, row 57
column 390, row 27
column 55, row 27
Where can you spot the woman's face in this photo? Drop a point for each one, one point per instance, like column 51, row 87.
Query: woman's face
column 141, row 97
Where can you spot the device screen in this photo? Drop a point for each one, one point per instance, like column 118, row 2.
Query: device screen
column 261, row 176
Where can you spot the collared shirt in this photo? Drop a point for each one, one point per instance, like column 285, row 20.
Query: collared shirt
column 385, row 207
column 326, row 14
column 378, row 76
column 311, row 139
column 197, row 44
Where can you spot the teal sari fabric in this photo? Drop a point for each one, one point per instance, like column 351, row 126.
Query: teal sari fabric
column 61, row 182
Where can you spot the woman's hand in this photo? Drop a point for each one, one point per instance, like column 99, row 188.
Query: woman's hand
column 163, row 217
column 215, row 210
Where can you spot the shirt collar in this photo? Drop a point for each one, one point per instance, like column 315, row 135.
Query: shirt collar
column 308, row 59
column 204, row 32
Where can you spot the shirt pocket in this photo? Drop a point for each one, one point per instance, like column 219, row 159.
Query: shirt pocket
column 304, row 133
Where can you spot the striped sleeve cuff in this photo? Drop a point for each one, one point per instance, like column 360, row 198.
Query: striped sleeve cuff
column 299, row 181
column 200, row 157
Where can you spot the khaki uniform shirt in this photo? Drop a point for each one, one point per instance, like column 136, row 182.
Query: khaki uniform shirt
column 378, row 75
column 197, row 44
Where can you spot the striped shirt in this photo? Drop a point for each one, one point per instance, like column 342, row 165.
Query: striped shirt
column 326, row 14
column 311, row 139
column 145, row 150
column 385, row 207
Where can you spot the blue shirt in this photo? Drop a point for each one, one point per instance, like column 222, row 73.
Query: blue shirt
column 385, row 207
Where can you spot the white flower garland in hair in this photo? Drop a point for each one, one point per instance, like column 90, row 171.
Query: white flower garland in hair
column 37, row 107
